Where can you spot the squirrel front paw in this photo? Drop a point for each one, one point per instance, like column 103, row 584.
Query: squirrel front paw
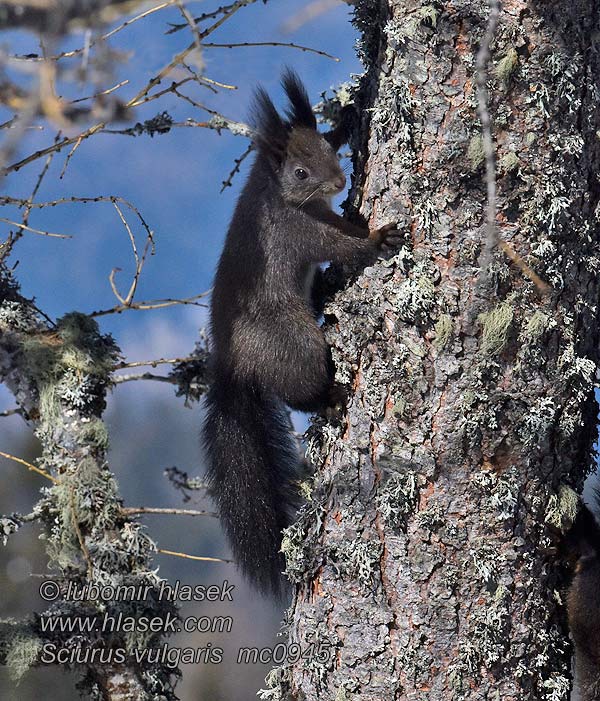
column 336, row 402
column 386, row 237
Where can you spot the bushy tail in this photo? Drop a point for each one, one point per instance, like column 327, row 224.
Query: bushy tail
column 583, row 599
column 251, row 464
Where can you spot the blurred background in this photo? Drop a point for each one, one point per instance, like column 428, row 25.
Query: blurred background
column 174, row 179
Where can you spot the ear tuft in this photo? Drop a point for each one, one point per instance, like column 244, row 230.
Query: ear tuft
column 270, row 131
column 300, row 112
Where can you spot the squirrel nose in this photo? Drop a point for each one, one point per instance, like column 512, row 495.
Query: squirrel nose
column 340, row 182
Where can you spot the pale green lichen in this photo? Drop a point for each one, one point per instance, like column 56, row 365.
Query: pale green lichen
column 536, row 326
column 478, row 415
column 487, row 563
column 357, row 559
column 8, row 526
column 506, row 67
column 67, row 366
column 431, row 518
column 397, row 497
column 487, row 642
column 496, row 328
column 537, row 421
column 578, row 374
column 562, row 508
column 276, row 681
column 341, row 694
column 17, row 316
column 500, row 493
column 557, row 688
column 509, row 162
column 475, row 152
column 95, row 434
column 426, row 214
column 400, row 406
column 415, row 297
column 22, row 653
column 443, row 332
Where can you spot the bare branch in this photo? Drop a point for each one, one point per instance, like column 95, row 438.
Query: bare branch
column 193, row 557
column 492, row 239
column 133, row 510
column 307, row 14
column 12, row 412
column 483, row 57
column 154, row 363
column 236, row 168
column 289, row 45
column 120, row 379
column 29, row 466
column 35, row 231
column 156, row 304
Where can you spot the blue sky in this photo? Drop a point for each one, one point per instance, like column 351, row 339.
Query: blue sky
column 174, row 179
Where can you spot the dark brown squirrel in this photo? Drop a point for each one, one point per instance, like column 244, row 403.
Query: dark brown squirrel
column 583, row 602
column 267, row 348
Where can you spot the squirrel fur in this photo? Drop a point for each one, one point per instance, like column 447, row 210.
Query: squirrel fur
column 267, row 349
column 583, row 602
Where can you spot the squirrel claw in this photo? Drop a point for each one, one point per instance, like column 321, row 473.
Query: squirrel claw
column 388, row 237
column 338, row 397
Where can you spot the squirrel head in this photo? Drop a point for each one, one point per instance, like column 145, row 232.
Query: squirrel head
column 305, row 163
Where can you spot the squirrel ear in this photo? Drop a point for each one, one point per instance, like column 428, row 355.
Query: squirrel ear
column 338, row 136
column 270, row 131
column 300, row 112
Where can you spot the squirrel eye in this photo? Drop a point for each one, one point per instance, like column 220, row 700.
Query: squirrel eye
column 301, row 174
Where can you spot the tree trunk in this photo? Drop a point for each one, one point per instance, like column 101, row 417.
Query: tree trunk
column 426, row 557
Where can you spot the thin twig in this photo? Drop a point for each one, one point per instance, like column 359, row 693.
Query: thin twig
column 29, row 466
column 523, row 267
column 35, row 231
column 483, row 57
column 154, row 363
column 180, row 57
column 193, row 26
column 156, row 304
column 308, row 13
column 492, row 238
column 139, row 262
column 108, row 91
column 207, row 15
column 93, row 42
column 13, row 238
column 11, row 412
column 193, row 557
column 131, row 510
column 120, row 379
column 288, row 44
column 236, row 168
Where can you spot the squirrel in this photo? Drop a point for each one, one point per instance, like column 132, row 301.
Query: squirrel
column 267, row 349
column 583, row 602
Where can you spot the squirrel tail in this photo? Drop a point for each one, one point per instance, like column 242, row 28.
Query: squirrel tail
column 583, row 606
column 251, row 464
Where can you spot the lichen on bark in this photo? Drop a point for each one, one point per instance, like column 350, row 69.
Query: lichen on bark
column 425, row 556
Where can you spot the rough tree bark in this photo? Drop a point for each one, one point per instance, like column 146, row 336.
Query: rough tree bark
column 425, row 560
